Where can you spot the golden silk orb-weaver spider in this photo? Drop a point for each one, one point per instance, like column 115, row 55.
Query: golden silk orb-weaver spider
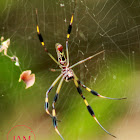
column 68, row 74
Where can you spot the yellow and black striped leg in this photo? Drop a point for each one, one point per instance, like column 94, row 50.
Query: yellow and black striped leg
column 68, row 34
column 53, row 108
column 71, row 21
column 48, row 91
column 70, row 27
column 97, row 94
column 41, row 40
column 90, row 110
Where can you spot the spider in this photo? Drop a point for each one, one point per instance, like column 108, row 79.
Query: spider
column 68, row 74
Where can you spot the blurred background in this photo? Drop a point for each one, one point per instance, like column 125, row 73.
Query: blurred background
column 110, row 25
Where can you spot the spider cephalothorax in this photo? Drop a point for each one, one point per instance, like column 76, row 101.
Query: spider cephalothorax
column 68, row 74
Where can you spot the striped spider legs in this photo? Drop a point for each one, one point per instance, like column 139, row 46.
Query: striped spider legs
column 67, row 74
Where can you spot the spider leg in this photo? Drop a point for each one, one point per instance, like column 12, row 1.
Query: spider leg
column 68, row 34
column 97, row 94
column 82, row 61
column 48, row 91
column 54, row 70
column 41, row 40
column 94, row 92
column 89, row 107
column 53, row 106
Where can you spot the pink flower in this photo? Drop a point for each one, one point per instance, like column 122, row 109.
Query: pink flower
column 28, row 78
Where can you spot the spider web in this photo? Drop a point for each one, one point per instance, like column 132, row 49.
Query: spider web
column 110, row 25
